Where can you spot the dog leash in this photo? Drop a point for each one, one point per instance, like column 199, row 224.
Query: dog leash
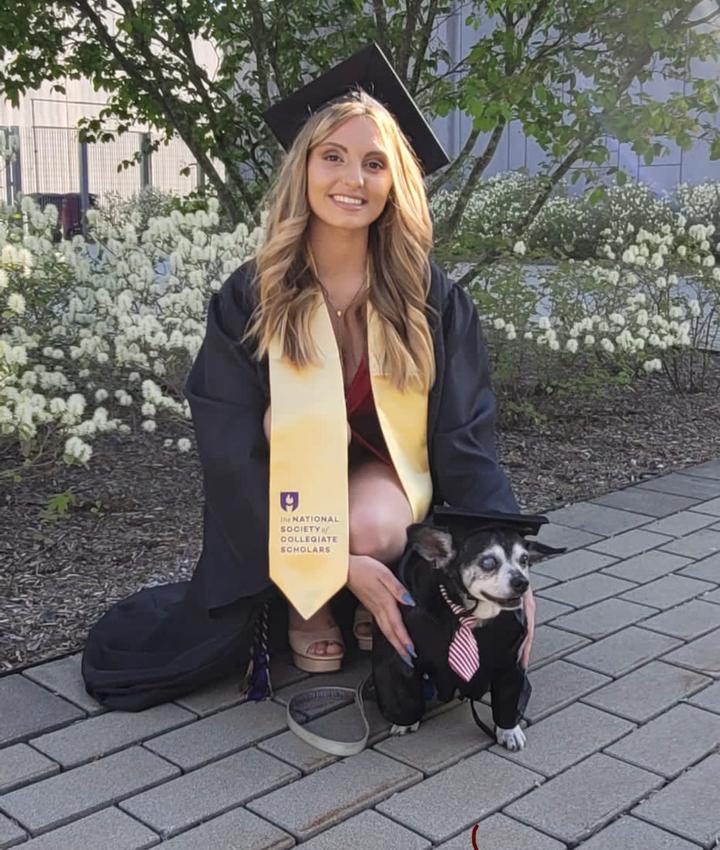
column 300, row 710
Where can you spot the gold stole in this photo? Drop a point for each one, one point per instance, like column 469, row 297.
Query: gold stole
column 308, row 544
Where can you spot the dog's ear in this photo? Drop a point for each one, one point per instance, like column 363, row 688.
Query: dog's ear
column 433, row 544
column 537, row 550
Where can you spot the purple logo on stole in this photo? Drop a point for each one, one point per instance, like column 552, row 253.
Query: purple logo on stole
column 289, row 500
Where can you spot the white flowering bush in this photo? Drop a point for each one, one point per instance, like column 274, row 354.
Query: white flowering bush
column 650, row 304
column 98, row 335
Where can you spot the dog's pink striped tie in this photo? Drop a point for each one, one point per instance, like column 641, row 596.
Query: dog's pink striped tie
column 463, row 655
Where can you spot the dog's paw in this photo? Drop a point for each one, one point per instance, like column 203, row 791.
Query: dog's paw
column 512, row 739
column 403, row 730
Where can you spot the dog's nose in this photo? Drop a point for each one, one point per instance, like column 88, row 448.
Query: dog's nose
column 519, row 584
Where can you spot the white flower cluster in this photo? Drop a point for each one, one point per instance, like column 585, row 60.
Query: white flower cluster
column 114, row 321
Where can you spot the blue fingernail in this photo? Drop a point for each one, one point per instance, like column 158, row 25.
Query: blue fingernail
column 407, row 660
column 411, row 649
column 407, row 599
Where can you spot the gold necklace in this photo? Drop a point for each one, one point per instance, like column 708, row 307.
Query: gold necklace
column 363, row 286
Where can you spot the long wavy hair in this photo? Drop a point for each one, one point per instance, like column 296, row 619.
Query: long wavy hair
column 399, row 244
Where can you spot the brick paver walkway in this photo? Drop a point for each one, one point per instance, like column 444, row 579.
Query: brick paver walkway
column 622, row 743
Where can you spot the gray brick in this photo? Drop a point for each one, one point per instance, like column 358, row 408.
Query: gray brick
column 708, row 698
column 550, row 643
column 349, row 677
column 220, row 734
column 647, row 691
column 369, row 830
column 680, row 524
column 573, row 564
column 647, row 567
column 624, row 651
column 547, row 610
column 699, row 544
column 503, row 833
column 557, row 684
column 598, row 519
column 565, row 738
column 56, row 801
column 667, row 592
column 212, row 790
column 438, row 743
column 334, row 793
column 644, row 501
column 702, row 654
column 294, row 751
column 708, row 569
column 709, row 469
column 689, row 620
column 539, row 582
column 689, row 805
column 63, row 678
column 603, row 618
column 630, row 543
column 683, row 485
column 584, row 798
column 633, row 834
column 226, row 692
column 563, row 535
column 587, row 589
column 97, row 831
column 235, row 830
column 27, row 709
column 100, row 736
column 671, row 742
column 469, row 791
column 10, row 833
column 713, row 597
column 20, row 765
column 711, row 507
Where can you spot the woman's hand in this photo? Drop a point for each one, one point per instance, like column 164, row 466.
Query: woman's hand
column 529, row 606
column 380, row 592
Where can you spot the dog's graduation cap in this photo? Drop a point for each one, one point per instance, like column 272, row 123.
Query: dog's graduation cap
column 464, row 522
column 369, row 69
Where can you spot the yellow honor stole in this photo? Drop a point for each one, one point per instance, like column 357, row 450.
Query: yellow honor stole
column 308, row 544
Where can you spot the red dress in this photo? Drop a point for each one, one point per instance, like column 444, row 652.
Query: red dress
column 367, row 438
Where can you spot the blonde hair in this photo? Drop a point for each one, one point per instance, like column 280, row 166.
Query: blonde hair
column 399, row 244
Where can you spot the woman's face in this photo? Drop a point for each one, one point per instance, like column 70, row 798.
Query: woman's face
column 349, row 163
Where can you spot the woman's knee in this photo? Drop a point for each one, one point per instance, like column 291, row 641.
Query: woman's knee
column 377, row 533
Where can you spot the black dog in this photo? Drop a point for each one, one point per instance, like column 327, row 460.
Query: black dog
column 467, row 574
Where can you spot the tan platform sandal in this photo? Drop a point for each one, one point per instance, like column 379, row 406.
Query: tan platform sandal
column 363, row 617
column 301, row 641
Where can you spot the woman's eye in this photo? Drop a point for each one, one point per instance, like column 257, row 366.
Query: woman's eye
column 373, row 162
column 488, row 563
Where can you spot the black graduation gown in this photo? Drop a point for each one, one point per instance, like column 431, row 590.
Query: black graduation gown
column 168, row 640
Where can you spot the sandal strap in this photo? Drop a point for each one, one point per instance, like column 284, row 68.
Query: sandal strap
column 301, row 641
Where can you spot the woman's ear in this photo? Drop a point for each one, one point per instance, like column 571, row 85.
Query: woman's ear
column 435, row 545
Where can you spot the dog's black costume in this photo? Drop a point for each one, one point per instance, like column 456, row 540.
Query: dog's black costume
column 431, row 624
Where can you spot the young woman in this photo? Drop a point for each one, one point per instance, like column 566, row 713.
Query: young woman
column 347, row 221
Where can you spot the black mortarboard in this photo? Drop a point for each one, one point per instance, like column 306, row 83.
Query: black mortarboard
column 464, row 521
column 369, row 69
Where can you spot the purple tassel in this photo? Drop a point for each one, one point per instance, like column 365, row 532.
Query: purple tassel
column 256, row 683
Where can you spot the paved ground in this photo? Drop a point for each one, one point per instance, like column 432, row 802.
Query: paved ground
column 622, row 742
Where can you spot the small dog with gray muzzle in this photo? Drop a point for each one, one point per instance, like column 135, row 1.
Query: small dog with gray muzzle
column 467, row 573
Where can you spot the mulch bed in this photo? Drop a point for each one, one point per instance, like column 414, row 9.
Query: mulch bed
column 137, row 517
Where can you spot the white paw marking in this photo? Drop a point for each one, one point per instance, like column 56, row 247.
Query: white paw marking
column 403, row 730
column 512, row 739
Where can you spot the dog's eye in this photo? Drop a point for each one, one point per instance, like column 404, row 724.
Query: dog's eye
column 488, row 563
column 523, row 560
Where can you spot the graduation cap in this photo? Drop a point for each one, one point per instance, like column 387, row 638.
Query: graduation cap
column 464, row 521
column 369, row 69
